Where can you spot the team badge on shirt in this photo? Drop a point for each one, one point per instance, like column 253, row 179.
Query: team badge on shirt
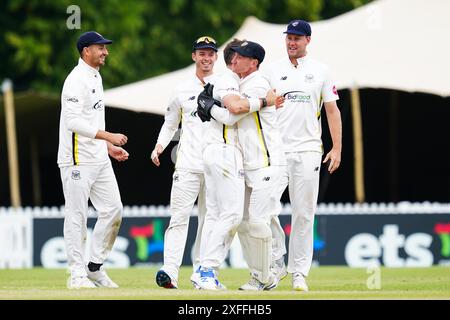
column 76, row 175
column 309, row 78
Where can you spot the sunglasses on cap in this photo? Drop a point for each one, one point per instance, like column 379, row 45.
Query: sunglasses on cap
column 205, row 39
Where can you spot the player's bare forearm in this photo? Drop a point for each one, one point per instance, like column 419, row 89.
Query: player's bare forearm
column 235, row 104
column 335, row 125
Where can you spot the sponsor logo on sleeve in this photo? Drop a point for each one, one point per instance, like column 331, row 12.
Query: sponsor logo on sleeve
column 99, row 105
column 335, row 90
column 72, row 99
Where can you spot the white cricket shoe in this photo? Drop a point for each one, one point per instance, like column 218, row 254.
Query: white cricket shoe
column 298, row 282
column 101, row 279
column 255, row 285
column 208, row 279
column 278, row 269
column 195, row 278
column 79, row 282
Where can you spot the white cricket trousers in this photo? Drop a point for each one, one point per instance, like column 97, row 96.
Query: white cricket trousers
column 261, row 189
column 186, row 187
column 97, row 183
column 224, row 179
column 302, row 176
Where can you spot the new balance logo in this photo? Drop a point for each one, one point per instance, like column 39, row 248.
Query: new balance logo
column 283, row 78
column 316, row 169
column 266, row 178
column 191, row 98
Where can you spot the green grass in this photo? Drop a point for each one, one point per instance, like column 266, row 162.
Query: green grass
column 324, row 283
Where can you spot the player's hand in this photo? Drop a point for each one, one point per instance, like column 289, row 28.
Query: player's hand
column 334, row 158
column 270, row 97
column 118, row 139
column 279, row 101
column 118, row 153
column 155, row 154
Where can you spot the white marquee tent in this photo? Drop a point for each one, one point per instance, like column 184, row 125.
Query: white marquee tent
column 394, row 44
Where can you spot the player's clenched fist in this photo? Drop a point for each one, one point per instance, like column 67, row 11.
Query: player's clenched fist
column 118, row 139
column 155, row 154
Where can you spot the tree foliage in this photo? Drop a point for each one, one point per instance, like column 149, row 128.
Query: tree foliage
column 150, row 37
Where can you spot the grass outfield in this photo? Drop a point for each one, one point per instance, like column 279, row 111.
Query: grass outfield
column 324, row 283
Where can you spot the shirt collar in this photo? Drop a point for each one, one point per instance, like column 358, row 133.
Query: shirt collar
column 300, row 61
column 87, row 67
column 205, row 79
column 249, row 77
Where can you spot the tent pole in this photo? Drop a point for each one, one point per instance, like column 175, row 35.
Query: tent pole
column 11, row 139
column 393, row 146
column 37, row 198
column 358, row 146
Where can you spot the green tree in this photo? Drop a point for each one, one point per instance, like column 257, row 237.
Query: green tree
column 150, row 37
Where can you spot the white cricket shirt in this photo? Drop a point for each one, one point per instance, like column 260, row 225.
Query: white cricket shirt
column 183, row 108
column 214, row 131
column 82, row 115
column 305, row 88
column 258, row 132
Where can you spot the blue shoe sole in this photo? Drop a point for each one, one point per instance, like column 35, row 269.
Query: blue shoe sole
column 163, row 280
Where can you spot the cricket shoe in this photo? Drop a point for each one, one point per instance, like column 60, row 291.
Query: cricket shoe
column 195, row 278
column 299, row 282
column 255, row 285
column 100, row 278
column 278, row 269
column 79, row 282
column 165, row 281
column 208, row 280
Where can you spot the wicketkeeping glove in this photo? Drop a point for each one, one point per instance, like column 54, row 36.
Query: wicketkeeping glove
column 205, row 102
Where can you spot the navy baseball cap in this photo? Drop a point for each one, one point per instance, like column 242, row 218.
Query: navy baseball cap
column 250, row 49
column 299, row 27
column 91, row 37
column 205, row 42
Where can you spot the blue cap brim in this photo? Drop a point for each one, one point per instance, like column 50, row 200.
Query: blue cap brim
column 206, row 46
column 103, row 41
column 242, row 52
column 299, row 33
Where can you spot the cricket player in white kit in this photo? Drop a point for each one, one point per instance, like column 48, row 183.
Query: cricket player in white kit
column 306, row 85
column 263, row 161
column 224, row 176
column 188, row 178
column 258, row 232
column 85, row 167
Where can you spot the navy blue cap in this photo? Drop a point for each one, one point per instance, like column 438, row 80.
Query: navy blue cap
column 250, row 49
column 205, row 42
column 299, row 27
column 91, row 37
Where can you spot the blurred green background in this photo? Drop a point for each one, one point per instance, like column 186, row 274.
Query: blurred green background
column 150, row 37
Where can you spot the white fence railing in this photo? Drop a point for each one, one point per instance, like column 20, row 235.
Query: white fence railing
column 322, row 208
